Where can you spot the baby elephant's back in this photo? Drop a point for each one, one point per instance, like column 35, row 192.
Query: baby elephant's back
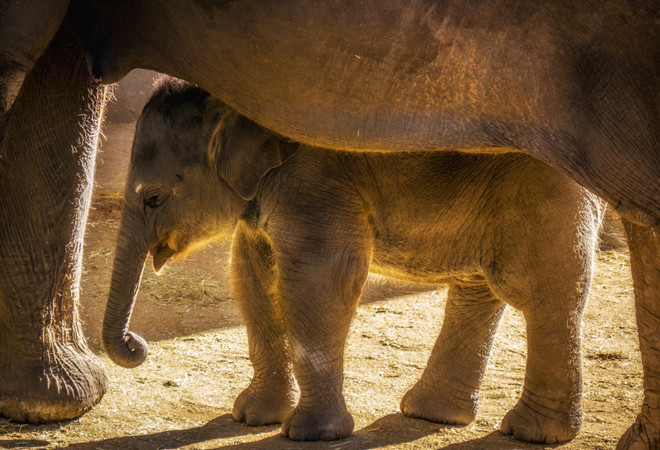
column 472, row 186
column 471, row 208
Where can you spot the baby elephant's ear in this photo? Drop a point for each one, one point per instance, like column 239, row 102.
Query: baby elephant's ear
column 243, row 152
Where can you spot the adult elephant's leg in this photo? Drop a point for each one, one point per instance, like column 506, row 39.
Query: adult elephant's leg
column 448, row 390
column 47, row 157
column 26, row 29
column 269, row 398
column 644, row 243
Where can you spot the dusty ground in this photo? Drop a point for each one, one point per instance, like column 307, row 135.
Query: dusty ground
column 182, row 396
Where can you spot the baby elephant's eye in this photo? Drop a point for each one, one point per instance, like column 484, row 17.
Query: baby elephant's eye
column 152, row 201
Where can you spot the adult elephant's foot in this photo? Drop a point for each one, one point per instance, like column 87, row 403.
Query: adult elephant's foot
column 530, row 421
column 422, row 402
column 64, row 383
column 324, row 422
column 261, row 404
column 644, row 243
column 642, row 435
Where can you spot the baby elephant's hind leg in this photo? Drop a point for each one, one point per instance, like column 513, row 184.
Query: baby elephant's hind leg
column 549, row 409
column 448, row 390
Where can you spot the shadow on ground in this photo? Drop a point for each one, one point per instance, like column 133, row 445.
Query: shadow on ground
column 393, row 429
column 23, row 443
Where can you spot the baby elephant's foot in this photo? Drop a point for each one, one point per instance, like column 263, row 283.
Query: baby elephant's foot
column 531, row 422
column 262, row 406
column 322, row 423
column 429, row 404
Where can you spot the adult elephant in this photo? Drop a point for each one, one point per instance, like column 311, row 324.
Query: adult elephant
column 575, row 85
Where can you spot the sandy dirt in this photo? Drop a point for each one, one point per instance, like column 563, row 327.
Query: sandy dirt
column 183, row 394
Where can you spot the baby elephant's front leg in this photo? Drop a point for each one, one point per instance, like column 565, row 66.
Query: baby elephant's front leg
column 318, row 301
column 269, row 398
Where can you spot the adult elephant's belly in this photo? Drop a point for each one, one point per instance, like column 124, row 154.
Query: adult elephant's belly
column 550, row 80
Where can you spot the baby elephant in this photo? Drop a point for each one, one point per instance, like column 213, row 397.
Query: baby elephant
column 308, row 226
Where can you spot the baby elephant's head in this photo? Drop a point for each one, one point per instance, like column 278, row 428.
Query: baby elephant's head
column 194, row 166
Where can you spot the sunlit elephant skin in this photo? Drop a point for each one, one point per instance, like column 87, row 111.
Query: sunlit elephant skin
column 47, row 156
column 498, row 228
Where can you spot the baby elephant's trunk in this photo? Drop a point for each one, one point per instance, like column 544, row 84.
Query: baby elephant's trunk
column 123, row 347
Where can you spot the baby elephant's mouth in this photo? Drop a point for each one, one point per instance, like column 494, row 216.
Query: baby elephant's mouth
column 161, row 253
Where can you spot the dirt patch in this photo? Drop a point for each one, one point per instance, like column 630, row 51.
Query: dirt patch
column 183, row 394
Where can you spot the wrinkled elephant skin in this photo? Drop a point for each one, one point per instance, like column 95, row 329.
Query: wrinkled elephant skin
column 47, row 373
